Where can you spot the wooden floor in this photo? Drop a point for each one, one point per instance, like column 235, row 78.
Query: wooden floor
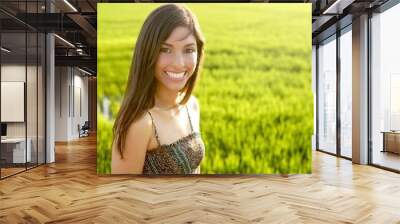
column 10, row 171
column 387, row 159
column 69, row 191
column 5, row 172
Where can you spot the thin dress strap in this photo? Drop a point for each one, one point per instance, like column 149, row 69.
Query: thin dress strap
column 190, row 120
column 155, row 129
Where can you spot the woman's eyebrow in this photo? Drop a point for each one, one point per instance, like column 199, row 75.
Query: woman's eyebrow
column 171, row 45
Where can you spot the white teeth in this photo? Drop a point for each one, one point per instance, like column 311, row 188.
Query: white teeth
column 176, row 75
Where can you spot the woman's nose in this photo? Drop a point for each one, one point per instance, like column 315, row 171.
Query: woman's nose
column 178, row 60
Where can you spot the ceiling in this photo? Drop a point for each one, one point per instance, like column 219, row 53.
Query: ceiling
column 74, row 22
column 330, row 15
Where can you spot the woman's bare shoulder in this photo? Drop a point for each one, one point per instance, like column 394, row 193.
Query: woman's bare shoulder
column 135, row 147
column 141, row 127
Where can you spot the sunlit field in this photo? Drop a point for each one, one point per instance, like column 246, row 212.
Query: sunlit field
column 254, row 90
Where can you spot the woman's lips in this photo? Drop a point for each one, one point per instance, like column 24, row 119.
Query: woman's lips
column 175, row 76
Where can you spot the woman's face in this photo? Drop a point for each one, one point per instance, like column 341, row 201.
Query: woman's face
column 177, row 59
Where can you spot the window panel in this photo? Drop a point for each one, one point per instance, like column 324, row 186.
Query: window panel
column 327, row 95
column 346, row 93
column 385, row 88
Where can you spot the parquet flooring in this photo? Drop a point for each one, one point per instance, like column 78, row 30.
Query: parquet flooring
column 387, row 159
column 9, row 171
column 69, row 191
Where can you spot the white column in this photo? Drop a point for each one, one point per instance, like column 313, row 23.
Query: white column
column 360, row 90
column 50, row 92
column 50, row 110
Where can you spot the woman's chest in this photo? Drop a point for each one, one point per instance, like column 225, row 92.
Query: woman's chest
column 181, row 157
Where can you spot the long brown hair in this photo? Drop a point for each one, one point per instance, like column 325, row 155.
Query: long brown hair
column 141, row 87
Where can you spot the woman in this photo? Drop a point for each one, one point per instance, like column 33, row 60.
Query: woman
column 157, row 128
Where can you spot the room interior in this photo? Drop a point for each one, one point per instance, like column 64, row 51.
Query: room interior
column 48, row 92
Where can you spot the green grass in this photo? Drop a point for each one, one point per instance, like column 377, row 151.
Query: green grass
column 254, row 91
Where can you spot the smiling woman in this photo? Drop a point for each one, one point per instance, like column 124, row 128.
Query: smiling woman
column 157, row 127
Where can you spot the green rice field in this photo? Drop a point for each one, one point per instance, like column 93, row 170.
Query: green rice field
column 254, row 90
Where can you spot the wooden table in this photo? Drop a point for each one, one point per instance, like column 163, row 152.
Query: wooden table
column 391, row 141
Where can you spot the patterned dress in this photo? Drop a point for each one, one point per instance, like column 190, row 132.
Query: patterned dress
column 180, row 157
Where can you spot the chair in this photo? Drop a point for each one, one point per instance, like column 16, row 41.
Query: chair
column 84, row 130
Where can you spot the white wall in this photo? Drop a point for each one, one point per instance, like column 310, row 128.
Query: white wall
column 81, row 89
column 71, row 93
column 61, row 103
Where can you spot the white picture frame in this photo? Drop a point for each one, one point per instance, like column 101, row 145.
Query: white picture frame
column 12, row 101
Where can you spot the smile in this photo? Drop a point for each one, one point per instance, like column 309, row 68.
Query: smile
column 175, row 76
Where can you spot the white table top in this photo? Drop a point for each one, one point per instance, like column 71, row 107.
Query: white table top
column 13, row 140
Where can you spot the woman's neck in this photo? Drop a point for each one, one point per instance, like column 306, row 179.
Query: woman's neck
column 166, row 99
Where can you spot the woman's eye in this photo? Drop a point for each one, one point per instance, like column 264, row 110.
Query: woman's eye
column 165, row 50
column 190, row 50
